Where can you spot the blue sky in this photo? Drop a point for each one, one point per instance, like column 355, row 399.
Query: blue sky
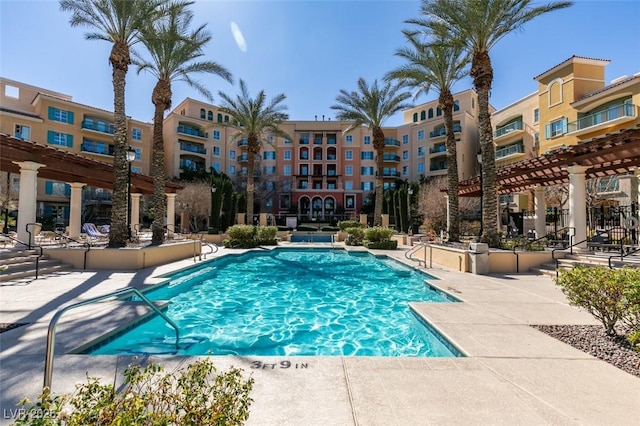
column 306, row 49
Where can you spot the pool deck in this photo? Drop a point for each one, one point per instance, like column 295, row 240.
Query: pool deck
column 513, row 374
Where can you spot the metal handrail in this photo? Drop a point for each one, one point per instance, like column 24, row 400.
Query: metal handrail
column 528, row 243
column 420, row 245
column 623, row 255
column 51, row 333
column 84, row 243
column 29, row 247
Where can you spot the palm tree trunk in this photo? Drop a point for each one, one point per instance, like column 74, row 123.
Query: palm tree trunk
column 378, row 145
column 482, row 73
column 446, row 103
column 253, row 146
column 161, row 98
column 118, row 230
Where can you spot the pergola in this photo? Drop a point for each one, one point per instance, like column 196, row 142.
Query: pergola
column 34, row 160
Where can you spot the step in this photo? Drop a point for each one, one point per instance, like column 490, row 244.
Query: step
column 31, row 273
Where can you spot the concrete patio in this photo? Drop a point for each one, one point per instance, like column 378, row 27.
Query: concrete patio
column 512, row 374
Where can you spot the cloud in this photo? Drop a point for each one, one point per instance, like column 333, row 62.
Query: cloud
column 239, row 38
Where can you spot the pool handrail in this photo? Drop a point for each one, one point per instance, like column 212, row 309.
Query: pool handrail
column 51, row 331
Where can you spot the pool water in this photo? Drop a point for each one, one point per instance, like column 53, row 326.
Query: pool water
column 290, row 302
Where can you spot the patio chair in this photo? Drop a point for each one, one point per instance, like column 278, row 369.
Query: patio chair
column 92, row 232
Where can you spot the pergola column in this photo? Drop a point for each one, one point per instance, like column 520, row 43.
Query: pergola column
column 446, row 201
column 171, row 215
column 75, row 209
column 540, row 208
column 578, row 204
column 27, row 198
column 135, row 213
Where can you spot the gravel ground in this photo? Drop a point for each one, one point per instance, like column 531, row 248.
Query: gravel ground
column 593, row 340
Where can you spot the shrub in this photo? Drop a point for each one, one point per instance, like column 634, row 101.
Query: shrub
column 330, row 228
column 378, row 233
column 266, row 233
column 355, row 236
column 345, row 224
column 194, row 395
column 241, row 232
column 603, row 292
column 248, row 236
column 381, row 245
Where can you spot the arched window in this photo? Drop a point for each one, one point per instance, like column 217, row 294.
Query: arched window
column 438, row 112
column 430, row 112
column 423, row 115
column 203, row 114
column 219, row 118
column 210, row 116
column 226, row 118
column 415, row 117
column 456, row 105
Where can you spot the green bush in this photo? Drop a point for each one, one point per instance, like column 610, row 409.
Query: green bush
column 241, row 232
column 381, row 245
column 610, row 295
column 345, row 224
column 266, row 233
column 355, row 236
column 195, row 395
column 378, row 233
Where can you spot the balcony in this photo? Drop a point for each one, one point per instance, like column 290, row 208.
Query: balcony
column 331, row 140
column 243, row 158
column 98, row 126
column 391, row 158
column 616, row 113
column 243, row 143
column 304, row 141
column 438, row 167
column 192, row 131
column 442, row 131
column 195, row 166
column 391, row 142
column 189, row 147
column 440, row 148
column 100, row 148
column 514, row 126
column 509, row 151
column 317, row 141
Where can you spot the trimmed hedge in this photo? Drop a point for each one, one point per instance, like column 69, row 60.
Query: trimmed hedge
column 378, row 233
column 355, row 235
column 381, row 245
column 346, row 224
column 249, row 236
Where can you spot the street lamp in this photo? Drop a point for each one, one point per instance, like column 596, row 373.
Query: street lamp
column 131, row 156
column 213, row 220
column 479, row 157
column 409, row 194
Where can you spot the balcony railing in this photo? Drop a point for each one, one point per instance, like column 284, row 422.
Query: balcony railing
column 304, row 141
column 317, row 141
column 192, row 165
column 511, row 127
column 192, row 148
column 243, row 158
column 391, row 142
column 437, row 148
column 439, row 166
column 243, row 142
column 391, row 157
column 509, row 150
column 96, row 148
column 442, row 131
column 331, row 141
column 601, row 117
column 191, row 131
column 99, row 126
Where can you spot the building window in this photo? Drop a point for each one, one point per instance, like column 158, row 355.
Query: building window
column 420, row 168
column 366, row 171
column 348, row 155
column 138, row 153
column 456, row 105
column 420, row 135
column 421, row 151
column 232, row 155
column 216, row 151
column 405, row 170
column 348, row 139
column 203, row 114
column 423, row 115
column 269, row 155
column 366, row 155
column 22, row 132
column 536, row 115
column 59, row 189
column 405, row 155
column 287, row 170
column 405, row 139
column 210, row 115
column 60, row 115
column 287, row 154
column 216, row 166
column 348, row 185
column 285, row 201
column 556, row 128
column 137, row 170
column 269, row 170
column 367, row 140
column 438, row 112
column 95, row 147
column 366, row 186
column 216, row 135
column 287, row 141
column 270, row 139
column 415, row 117
column 232, row 170
column 136, row 134
column 62, row 139
column 219, row 118
column 430, row 112
column 348, row 170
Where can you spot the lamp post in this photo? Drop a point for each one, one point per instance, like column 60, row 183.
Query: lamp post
column 131, row 156
column 213, row 220
column 409, row 194
column 479, row 157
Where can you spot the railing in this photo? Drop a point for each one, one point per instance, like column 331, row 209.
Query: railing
column 192, row 131
column 200, row 236
column 29, row 247
column 437, row 148
column 508, row 150
column 391, row 157
column 601, row 117
column 192, row 148
column 421, row 244
column 623, row 255
column 391, row 142
column 511, row 127
column 99, row 126
column 51, row 333
column 538, row 240
column 83, row 243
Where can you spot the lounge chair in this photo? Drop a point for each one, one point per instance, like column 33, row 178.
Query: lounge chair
column 92, row 232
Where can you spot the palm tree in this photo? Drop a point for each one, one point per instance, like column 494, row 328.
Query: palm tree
column 477, row 25
column 117, row 22
column 254, row 119
column 438, row 66
column 371, row 106
column 174, row 49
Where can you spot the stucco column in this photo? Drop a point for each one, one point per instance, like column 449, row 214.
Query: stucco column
column 240, row 218
column 540, row 208
column 446, row 201
column 385, row 220
column 171, row 215
column 578, row 205
column 75, row 209
column 135, row 213
column 263, row 219
column 363, row 219
column 27, row 198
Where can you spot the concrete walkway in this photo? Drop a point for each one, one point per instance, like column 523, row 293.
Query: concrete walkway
column 513, row 374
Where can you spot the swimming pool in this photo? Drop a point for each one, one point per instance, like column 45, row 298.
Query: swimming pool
column 290, row 302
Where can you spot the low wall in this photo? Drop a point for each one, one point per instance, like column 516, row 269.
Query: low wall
column 449, row 257
column 505, row 261
column 129, row 258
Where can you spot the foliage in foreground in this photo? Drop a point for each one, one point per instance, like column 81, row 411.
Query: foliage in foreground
column 249, row 236
column 195, row 395
column 610, row 295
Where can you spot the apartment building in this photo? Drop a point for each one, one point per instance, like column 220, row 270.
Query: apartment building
column 54, row 119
